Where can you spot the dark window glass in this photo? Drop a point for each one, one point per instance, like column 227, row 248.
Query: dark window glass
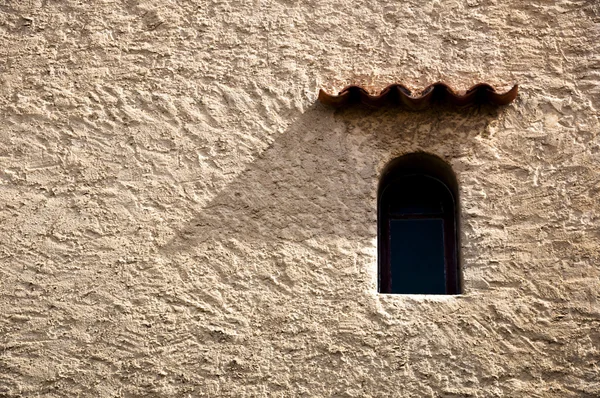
column 417, row 256
column 418, row 229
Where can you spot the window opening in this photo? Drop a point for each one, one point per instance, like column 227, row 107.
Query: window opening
column 418, row 227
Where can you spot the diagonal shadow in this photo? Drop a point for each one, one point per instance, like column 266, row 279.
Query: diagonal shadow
column 301, row 219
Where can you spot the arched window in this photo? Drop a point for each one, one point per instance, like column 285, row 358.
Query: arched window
column 418, row 237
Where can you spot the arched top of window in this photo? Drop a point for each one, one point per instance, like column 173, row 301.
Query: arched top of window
column 418, row 227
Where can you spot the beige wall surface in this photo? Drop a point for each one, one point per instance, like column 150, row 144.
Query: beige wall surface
column 180, row 218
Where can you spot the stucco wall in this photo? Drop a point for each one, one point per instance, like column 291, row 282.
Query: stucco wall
column 178, row 217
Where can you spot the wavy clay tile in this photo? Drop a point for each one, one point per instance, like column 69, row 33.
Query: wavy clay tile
column 437, row 93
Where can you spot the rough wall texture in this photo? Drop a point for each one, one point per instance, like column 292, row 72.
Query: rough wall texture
column 179, row 218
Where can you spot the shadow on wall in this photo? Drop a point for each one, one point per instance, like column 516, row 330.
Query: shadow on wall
column 301, row 219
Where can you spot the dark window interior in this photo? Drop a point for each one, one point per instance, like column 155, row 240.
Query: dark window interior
column 418, row 229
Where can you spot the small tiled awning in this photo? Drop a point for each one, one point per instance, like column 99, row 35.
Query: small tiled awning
column 437, row 93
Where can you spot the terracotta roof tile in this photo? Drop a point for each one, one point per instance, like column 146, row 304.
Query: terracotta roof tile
column 437, row 93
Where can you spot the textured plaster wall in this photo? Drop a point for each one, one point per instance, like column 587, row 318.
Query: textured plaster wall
column 179, row 218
